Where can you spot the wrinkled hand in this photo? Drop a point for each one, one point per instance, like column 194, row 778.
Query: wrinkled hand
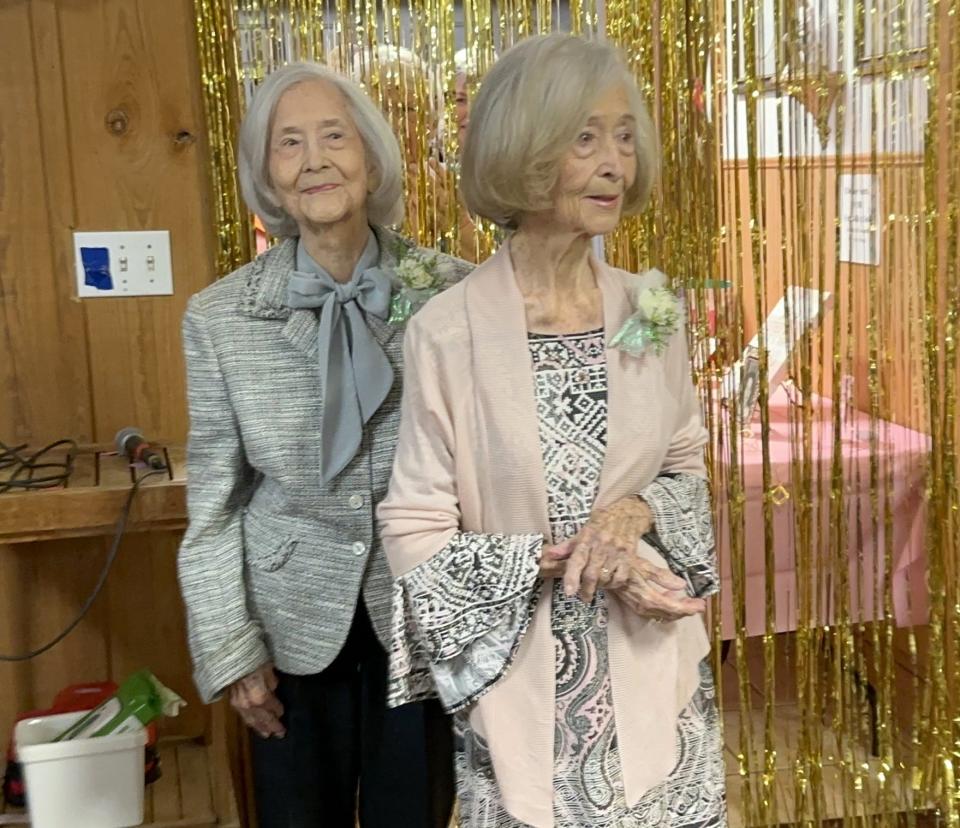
column 602, row 552
column 654, row 592
column 553, row 562
column 603, row 556
column 254, row 699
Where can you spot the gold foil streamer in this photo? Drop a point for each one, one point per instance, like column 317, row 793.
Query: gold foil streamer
column 940, row 732
column 217, row 49
column 763, row 218
column 851, row 693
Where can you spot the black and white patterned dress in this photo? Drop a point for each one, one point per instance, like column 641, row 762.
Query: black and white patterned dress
column 459, row 618
column 571, row 393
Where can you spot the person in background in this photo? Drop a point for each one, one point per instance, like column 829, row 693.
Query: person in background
column 294, row 371
column 396, row 77
column 466, row 75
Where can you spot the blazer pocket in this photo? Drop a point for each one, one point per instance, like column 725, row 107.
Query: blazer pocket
column 267, row 541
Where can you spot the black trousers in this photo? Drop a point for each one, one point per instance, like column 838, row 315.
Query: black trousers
column 345, row 753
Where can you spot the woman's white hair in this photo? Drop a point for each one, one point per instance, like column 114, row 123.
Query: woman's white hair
column 384, row 203
column 384, row 54
column 465, row 62
column 526, row 116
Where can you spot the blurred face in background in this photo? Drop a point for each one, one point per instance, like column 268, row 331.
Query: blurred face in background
column 399, row 89
column 461, row 101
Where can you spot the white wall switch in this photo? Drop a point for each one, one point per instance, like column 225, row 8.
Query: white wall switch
column 123, row 263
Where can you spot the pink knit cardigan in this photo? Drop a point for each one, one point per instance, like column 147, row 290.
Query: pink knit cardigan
column 469, row 459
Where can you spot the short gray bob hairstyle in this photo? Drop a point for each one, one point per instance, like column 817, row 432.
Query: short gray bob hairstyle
column 384, row 204
column 526, row 116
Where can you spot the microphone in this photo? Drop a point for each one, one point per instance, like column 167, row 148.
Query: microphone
column 130, row 442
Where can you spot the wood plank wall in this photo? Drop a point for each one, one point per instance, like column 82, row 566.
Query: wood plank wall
column 887, row 295
column 84, row 370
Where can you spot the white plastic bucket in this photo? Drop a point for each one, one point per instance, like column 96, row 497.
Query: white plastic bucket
column 81, row 783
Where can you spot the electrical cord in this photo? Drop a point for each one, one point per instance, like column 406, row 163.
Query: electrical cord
column 114, row 548
column 23, row 477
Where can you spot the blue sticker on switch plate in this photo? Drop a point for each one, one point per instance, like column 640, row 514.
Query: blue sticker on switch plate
column 96, row 267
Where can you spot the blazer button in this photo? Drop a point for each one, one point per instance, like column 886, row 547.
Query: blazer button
column 355, row 501
column 359, row 548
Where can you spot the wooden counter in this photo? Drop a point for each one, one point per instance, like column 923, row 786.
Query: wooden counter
column 90, row 502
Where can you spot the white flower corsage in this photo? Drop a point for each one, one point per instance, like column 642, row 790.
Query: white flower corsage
column 420, row 279
column 655, row 320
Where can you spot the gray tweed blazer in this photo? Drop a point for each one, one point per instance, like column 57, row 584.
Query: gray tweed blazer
column 272, row 563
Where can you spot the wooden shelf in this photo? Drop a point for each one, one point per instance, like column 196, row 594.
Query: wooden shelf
column 90, row 502
column 185, row 796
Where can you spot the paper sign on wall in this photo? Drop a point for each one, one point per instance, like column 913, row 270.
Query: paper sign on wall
column 860, row 218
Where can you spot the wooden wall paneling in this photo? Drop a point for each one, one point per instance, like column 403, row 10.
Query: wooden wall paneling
column 898, row 278
column 43, row 586
column 67, row 65
column 44, row 389
column 120, row 59
column 167, row 808
column 137, row 60
column 60, row 577
column 230, row 770
column 147, row 626
column 901, row 292
column 15, row 690
column 44, row 385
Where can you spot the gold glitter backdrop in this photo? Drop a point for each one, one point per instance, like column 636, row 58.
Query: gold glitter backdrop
column 808, row 209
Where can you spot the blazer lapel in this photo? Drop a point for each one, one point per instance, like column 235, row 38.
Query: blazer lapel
column 505, row 400
column 635, row 423
column 301, row 330
column 265, row 296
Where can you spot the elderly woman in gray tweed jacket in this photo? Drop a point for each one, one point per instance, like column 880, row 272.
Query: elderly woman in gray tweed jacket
column 294, row 364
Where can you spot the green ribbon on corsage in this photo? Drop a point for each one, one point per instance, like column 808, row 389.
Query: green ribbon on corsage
column 420, row 280
column 650, row 327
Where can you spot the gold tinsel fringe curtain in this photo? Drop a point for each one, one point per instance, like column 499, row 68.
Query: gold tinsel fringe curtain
column 810, row 161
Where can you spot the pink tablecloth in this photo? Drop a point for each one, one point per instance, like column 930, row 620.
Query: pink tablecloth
column 902, row 456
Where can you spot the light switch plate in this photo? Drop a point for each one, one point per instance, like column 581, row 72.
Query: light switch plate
column 123, row 263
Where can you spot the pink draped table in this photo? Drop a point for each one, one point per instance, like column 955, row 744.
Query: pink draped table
column 902, row 458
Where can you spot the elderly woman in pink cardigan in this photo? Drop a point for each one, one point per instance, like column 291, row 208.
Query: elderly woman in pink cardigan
column 548, row 518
